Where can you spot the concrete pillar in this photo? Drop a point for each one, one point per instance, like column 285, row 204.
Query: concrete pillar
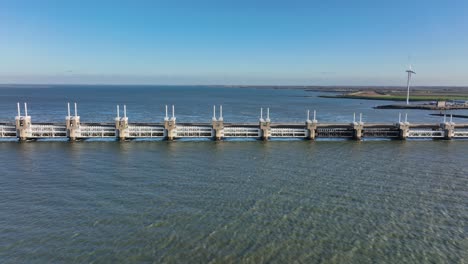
column 218, row 124
column 265, row 130
column 265, row 125
column 23, row 124
column 357, row 127
column 218, row 129
column 449, row 129
column 23, row 128
column 404, row 130
column 311, row 127
column 404, row 127
column 72, row 124
column 170, row 125
column 121, row 125
column 121, row 128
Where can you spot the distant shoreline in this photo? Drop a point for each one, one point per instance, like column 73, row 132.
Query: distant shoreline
column 310, row 88
column 398, row 98
column 399, row 93
column 422, row 107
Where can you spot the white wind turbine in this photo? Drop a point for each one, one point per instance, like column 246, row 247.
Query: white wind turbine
column 409, row 71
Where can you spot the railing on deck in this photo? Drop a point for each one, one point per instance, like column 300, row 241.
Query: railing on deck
column 247, row 132
column 145, row 132
column 96, row 132
column 194, row 131
column 7, row 131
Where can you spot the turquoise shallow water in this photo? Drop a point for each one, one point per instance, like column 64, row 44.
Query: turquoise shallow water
column 221, row 202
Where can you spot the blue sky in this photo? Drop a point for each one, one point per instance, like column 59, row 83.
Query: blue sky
column 234, row 42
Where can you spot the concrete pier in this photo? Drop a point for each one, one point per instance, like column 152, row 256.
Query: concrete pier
column 265, row 125
column 72, row 124
column 404, row 130
column 311, row 126
column 170, row 125
column 404, row 127
column 357, row 128
column 218, row 124
column 121, row 125
column 23, row 124
column 311, row 130
column 449, row 128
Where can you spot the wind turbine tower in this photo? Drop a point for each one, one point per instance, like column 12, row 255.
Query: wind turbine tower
column 409, row 71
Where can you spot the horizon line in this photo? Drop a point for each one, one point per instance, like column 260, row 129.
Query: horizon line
column 224, row 85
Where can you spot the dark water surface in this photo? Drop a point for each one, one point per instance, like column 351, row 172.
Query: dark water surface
column 222, row 202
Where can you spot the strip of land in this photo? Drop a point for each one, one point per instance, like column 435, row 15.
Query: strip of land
column 435, row 98
column 422, row 107
column 456, row 116
column 400, row 94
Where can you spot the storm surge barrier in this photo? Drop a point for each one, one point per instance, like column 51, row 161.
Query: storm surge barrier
column 121, row 129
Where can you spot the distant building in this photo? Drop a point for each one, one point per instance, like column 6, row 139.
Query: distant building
column 441, row 104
